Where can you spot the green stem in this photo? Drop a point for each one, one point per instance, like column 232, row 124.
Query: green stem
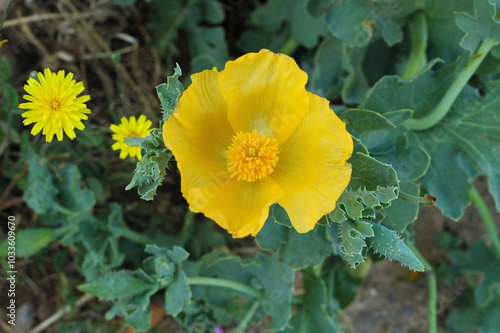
column 440, row 111
column 418, row 38
column 136, row 237
column 432, row 285
column 248, row 316
column 215, row 282
column 412, row 198
column 290, row 46
column 487, row 218
column 188, row 224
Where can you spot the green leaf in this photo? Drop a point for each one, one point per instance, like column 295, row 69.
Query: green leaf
column 41, row 192
column 327, row 78
column 303, row 250
column 304, row 28
column 471, row 318
column 356, row 84
column 482, row 26
column 170, row 92
column 484, row 261
column 71, row 195
column 116, row 285
column 316, row 314
column 150, row 171
column 209, row 48
column 373, row 185
column 377, row 133
column 420, row 93
column 411, row 162
column 472, row 128
column 400, row 214
column 28, row 242
column 388, row 243
column 357, row 21
column 353, row 234
column 266, row 273
column 445, row 36
column 178, row 294
column 272, row 235
column 280, row 215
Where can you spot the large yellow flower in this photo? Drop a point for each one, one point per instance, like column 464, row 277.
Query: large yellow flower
column 54, row 105
column 131, row 127
column 251, row 136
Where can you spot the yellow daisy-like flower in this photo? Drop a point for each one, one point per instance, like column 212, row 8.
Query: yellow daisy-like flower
column 251, row 136
column 130, row 128
column 54, row 105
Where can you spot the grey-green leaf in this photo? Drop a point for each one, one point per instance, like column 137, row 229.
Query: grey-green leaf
column 389, row 244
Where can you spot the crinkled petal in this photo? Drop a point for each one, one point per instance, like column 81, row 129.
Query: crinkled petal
column 239, row 207
column 265, row 91
column 198, row 132
column 312, row 167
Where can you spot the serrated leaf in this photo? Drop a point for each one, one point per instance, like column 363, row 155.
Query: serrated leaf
column 482, row 26
column 353, row 234
column 115, row 285
column 150, row 171
column 389, row 244
column 373, row 185
column 170, row 92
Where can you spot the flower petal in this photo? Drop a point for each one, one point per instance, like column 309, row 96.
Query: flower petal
column 239, row 207
column 312, row 169
column 198, row 132
column 265, row 91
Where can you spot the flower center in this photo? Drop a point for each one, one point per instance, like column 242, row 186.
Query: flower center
column 252, row 156
column 55, row 105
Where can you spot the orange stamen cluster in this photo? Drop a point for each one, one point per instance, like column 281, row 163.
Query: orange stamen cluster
column 252, row 156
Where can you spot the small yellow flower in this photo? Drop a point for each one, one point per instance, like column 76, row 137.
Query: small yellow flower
column 130, row 128
column 3, row 41
column 250, row 136
column 54, row 105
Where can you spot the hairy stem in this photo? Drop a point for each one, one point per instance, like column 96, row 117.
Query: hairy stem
column 216, row 282
column 248, row 316
column 440, row 111
column 418, row 38
column 487, row 218
column 432, row 285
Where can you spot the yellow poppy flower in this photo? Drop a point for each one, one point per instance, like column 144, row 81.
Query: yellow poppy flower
column 130, row 128
column 251, row 136
column 54, row 105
